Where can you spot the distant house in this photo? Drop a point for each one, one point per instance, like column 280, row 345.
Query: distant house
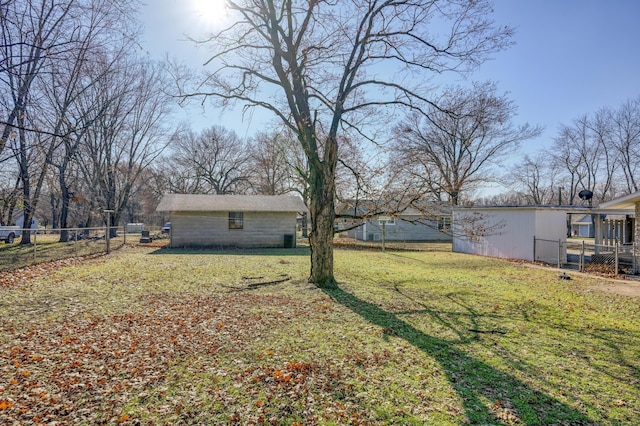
column 364, row 221
column 582, row 226
column 246, row 221
column 17, row 219
column 614, row 226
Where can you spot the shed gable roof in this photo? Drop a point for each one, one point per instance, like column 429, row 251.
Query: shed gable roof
column 238, row 203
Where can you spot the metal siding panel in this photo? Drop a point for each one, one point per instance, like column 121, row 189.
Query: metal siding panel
column 409, row 231
column 401, row 231
column 509, row 233
column 514, row 240
column 551, row 225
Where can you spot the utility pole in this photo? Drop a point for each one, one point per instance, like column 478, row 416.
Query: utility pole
column 560, row 188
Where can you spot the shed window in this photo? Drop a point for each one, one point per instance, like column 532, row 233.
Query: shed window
column 236, row 220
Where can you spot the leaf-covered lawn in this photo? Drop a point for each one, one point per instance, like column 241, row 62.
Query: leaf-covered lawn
column 148, row 336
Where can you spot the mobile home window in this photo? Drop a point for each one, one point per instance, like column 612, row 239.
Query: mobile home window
column 391, row 221
column 444, row 223
column 236, row 220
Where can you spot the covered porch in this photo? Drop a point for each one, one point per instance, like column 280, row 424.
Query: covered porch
column 623, row 232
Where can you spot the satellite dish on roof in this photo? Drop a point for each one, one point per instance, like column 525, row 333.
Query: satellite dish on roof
column 585, row 195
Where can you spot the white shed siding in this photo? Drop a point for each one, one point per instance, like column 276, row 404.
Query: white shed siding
column 551, row 226
column 508, row 232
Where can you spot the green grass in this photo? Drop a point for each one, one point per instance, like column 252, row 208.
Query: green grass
column 160, row 336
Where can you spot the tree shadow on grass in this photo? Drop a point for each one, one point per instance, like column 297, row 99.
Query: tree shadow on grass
column 488, row 395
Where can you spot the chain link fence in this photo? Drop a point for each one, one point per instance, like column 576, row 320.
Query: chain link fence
column 57, row 244
column 586, row 256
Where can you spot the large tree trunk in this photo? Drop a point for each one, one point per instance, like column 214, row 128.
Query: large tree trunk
column 64, row 211
column 322, row 188
column 26, row 185
column 636, row 240
column 55, row 214
column 321, row 208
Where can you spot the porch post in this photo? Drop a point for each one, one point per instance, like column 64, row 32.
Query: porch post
column 597, row 230
column 636, row 241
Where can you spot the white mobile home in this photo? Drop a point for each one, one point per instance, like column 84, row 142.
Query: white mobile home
column 364, row 221
column 509, row 232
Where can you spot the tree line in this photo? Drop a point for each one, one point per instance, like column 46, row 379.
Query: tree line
column 597, row 151
column 85, row 112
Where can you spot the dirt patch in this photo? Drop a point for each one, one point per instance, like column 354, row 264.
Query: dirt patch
column 625, row 288
column 625, row 285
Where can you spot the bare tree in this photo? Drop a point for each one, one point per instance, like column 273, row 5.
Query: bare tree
column 324, row 66
column 68, row 89
column 359, row 173
column 171, row 176
column 455, row 145
column 44, row 53
column 143, row 200
column 9, row 191
column 34, row 33
column 216, row 158
column 597, row 151
column 534, row 179
column 586, row 155
column 601, row 129
column 626, row 140
column 127, row 136
column 271, row 173
column 571, row 148
column 508, row 198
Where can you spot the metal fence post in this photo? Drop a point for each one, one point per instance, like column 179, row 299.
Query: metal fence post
column 581, row 261
column 106, row 235
column 559, row 254
column 617, row 252
column 35, row 246
column 534, row 248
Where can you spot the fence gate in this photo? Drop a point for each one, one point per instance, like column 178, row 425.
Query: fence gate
column 552, row 252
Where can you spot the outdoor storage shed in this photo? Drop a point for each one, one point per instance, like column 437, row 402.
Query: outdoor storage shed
column 246, row 221
column 509, row 232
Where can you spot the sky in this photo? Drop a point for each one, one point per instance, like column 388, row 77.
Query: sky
column 570, row 58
